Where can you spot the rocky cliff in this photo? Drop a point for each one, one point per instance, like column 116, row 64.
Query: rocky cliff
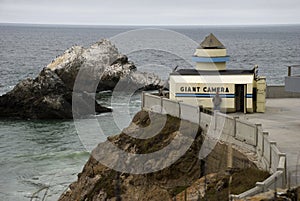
column 49, row 95
column 97, row 182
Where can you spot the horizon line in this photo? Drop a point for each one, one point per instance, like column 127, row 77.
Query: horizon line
column 153, row 25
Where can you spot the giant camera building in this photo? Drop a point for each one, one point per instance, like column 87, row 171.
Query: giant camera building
column 240, row 90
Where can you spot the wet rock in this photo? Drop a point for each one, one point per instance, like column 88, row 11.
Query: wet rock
column 79, row 72
column 45, row 97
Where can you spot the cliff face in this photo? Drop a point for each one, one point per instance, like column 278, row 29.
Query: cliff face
column 49, row 95
column 98, row 182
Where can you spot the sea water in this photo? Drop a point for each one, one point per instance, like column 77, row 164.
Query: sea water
column 39, row 159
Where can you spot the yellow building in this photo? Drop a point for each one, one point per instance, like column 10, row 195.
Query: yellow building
column 240, row 90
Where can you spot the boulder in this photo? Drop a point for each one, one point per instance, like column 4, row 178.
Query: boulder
column 79, row 72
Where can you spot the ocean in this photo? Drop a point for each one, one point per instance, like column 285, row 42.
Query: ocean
column 39, row 159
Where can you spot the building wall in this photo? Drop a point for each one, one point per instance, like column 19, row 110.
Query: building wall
column 211, row 66
column 210, row 52
column 201, row 93
column 249, row 102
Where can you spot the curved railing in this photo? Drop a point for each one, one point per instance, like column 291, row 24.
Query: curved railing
column 233, row 130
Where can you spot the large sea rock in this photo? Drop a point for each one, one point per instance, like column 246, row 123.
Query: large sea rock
column 49, row 95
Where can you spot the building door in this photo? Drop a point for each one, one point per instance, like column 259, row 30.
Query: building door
column 240, row 98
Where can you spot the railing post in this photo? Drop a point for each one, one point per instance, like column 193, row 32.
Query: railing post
column 271, row 161
column 265, row 134
column 200, row 109
column 283, row 169
column 215, row 119
column 230, row 156
column 257, row 126
column 161, row 105
column 234, row 125
column 261, row 185
column 143, row 100
column 179, row 109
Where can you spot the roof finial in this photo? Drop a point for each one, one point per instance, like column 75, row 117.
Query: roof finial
column 211, row 42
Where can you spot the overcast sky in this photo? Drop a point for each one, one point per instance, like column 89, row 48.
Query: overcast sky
column 151, row 12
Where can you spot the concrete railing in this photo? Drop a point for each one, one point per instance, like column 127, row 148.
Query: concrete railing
column 232, row 130
column 292, row 81
column 280, row 92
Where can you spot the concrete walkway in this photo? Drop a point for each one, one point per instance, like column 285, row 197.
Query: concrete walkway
column 282, row 121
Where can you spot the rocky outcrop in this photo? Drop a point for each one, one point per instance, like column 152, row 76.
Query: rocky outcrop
column 45, row 97
column 97, row 182
column 80, row 72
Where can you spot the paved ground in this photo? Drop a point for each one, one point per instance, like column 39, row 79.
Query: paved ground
column 282, row 121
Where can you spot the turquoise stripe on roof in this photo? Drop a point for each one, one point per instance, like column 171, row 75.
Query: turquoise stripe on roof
column 210, row 59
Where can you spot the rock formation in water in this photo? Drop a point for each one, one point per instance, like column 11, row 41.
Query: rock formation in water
column 49, row 95
column 97, row 182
